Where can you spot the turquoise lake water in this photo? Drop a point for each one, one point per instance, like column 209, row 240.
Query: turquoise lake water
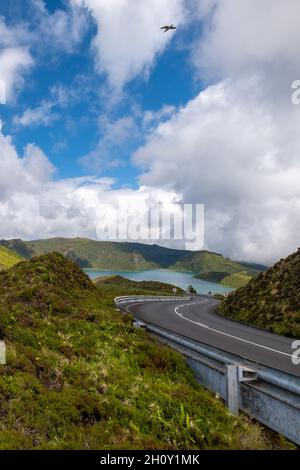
column 176, row 278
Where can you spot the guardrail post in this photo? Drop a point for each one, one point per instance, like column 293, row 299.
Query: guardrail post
column 235, row 374
column 232, row 388
column 2, row 352
column 139, row 325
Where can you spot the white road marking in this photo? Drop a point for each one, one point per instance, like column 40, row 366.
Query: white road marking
column 223, row 333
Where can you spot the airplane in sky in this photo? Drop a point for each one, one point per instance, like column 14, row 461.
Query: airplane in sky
column 168, row 28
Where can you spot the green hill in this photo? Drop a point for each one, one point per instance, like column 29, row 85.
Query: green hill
column 80, row 376
column 18, row 246
column 236, row 280
column 124, row 286
column 272, row 300
column 95, row 254
column 136, row 256
column 8, row 258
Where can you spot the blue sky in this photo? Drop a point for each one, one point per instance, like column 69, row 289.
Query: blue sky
column 76, row 131
column 102, row 107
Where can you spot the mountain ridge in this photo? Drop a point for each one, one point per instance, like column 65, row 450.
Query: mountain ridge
column 129, row 256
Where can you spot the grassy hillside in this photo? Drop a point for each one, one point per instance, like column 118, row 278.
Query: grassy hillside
column 236, row 280
column 8, row 258
column 272, row 300
column 136, row 256
column 79, row 376
column 122, row 286
column 204, row 261
column 18, row 246
column 217, row 268
column 95, row 254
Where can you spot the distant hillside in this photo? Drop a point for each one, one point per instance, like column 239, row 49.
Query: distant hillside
column 272, row 300
column 8, row 258
column 236, row 280
column 136, row 256
column 96, row 254
column 215, row 267
column 18, row 246
column 126, row 286
column 80, row 376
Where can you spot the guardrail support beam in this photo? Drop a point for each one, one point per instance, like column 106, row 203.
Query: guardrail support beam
column 232, row 387
column 2, row 352
column 138, row 325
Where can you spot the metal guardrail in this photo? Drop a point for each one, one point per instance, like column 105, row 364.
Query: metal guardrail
column 268, row 395
column 144, row 298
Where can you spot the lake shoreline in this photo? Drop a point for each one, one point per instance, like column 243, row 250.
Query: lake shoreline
column 181, row 279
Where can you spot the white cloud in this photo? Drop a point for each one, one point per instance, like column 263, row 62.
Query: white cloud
column 12, row 36
column 246, row 37
column 13, row 63
column 19, row 175
column 34, row 205
column 128, row 36
column 15, row 58
column 236, row 146
column 44, row 32
column 151, row 117
column 63, row 29
column 41, row 115
column 229, row 150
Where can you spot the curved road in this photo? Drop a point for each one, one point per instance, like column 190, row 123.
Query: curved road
column 197, row 320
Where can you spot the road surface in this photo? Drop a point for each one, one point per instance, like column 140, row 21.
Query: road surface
column 197, row 319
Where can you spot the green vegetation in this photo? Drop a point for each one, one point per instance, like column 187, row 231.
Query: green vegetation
column 272, row 300
column 216, row 268
column 136, row 256
column 79, row 376
column 191, row 289
column 219, row 296
column 19, row 247
column 95, row 254
column 123, row 286
column 236, row 280
column 8, row 258
column 204, row 262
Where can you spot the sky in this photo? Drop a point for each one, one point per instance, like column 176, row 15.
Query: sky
column 101, row 106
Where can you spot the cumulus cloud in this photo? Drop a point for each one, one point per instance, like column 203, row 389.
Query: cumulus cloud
column 33, row 204
column 21, row 174
column 242, row 39
column 235, row 147
column 128, row 38
column 249, row 36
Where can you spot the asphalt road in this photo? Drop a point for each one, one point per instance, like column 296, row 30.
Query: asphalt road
column 197, row 320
